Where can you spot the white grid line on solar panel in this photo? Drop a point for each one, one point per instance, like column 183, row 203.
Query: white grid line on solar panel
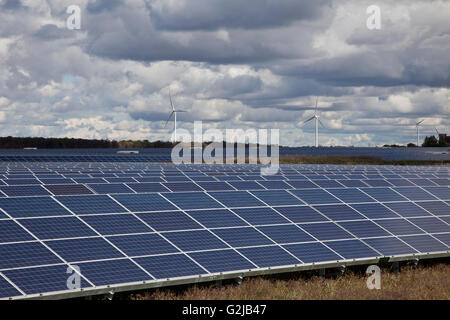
column 159, row 233
column 212, row 233
column 99, row 234
column 400, row 216
column 42, row 243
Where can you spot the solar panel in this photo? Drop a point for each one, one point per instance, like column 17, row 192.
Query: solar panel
column 130, row 222
column 222, row 260
column 143, row 202
column 67, row 189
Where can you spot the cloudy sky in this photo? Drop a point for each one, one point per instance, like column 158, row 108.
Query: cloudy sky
column 231, row 63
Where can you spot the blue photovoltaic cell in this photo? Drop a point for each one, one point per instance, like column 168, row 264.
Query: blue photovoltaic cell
column 443, row 237
column 260, row 216
column 242, row 237
column 414, row 193
column 302, row 184
column 425, row 243
column 217, row 218
column 315, row 196
column 383, row 194
column 57, row 181
column 149, row 179
column 352, row 249
column 169, row 221
column 192, row 200
column 105, row 188
column 228, row 178
column 407, row 209
column 170, row 266
column 27, row 254
column 274, row 184
column 194, row 240
column 90, row 204
column 57, row 228
column 121, row 180
column 182, row 186
column 143, row 202
column 17, row 191
column 399, row 227
column 301, row 214
column 142, row 244
column 12, row 232
column 446, row 219
column 215, row 186
column 235, row 199
column 353, row 183
column 328, row 183
column 390, row 246
column 43, row 279
column 441, row 182
column 246, row 185
column 377, row 183
column 422, row 182
column 312, row 252
column 112, row 272
column 339, row 212
column 7, row 290
column 73, row 250
column 438, row 208
column 442, row 193
column 431, row 224
column 286, row 234
column 116, row 224
column 148, row 187
column 202, row 178
column 374, row 211
column 326, row 231
column 277, row 197
column 364, row 229
column 32, row 207
column 400, row 182
column 181, row 179
column 269, row 256
column 67, row 189
column 14, row 182
column 221, row 260
column 89, row 180
column 351, row 195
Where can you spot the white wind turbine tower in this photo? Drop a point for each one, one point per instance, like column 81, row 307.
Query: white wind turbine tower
column 317, row 121
column 174, row 113
column 417, row 130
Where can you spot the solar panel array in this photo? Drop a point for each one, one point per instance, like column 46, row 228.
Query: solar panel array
column 140, row 224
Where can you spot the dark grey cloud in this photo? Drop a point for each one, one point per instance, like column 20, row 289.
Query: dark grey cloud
column 98, row 6
column 51, row 32
column 10, row 4
column 215, row 14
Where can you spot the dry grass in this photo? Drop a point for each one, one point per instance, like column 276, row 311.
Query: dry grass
column 427, row 283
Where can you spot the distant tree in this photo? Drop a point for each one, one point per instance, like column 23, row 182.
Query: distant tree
column 430, row 141
column 411, row 145
column 442, row 142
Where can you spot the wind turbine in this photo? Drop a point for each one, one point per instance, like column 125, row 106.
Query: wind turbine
column 174, row 113
column 417, row 130
column 317, row 121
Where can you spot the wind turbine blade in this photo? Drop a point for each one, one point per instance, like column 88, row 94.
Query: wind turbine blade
column 309, row 119
column 437, row 131
column 420, row 122
column 321, row 123
column 170, row 97
column 317, row 100
column 170, row 116
column 180, row 111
